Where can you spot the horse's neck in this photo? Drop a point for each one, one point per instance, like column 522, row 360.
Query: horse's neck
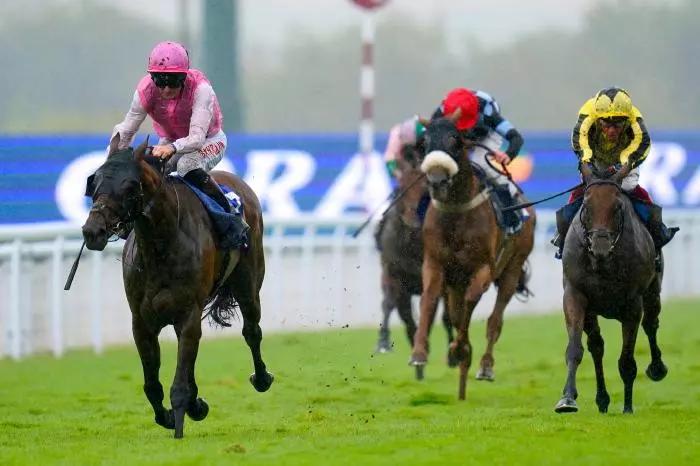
column 159, row 217
column 466, row 186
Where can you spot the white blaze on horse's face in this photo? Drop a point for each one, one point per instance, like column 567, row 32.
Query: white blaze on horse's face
column 439, row 166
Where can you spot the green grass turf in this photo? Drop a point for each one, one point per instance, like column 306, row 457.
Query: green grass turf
column 334, row 402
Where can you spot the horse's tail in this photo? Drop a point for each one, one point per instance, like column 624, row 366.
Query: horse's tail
column 522, row 292
column 222, row 306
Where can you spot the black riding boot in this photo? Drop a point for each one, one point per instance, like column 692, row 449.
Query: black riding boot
column 660, row 233
column 208, row 186
column 564, row 216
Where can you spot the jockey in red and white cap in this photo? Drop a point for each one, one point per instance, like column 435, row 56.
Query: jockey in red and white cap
column 185, row 113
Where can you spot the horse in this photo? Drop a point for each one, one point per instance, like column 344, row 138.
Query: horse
column 172, row 270
column 609, row 270
column 400, row 243
column 464, row 249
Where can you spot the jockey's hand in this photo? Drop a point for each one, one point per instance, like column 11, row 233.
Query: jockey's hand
column 501, row 157
column 163, row 151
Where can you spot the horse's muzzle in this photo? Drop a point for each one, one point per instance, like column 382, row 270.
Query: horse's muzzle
column 95, row 233
column 601, row 244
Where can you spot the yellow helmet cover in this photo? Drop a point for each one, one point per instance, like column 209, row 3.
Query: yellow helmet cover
column 613, row 102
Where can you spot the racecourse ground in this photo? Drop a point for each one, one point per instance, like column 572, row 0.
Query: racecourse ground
column 334, row 402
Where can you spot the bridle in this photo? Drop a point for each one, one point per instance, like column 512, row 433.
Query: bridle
column 136, row 208
column 589, row 234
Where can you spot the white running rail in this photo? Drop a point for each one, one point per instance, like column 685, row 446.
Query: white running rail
column 318, row 277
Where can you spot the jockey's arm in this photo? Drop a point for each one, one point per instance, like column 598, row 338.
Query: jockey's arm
column 202, row 114
column 638, row 149
column 494, row 120
column 131, row 123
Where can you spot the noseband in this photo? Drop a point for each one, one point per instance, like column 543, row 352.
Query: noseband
column 589, row 234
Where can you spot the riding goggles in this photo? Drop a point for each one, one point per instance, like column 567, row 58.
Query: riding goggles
column 171, row 80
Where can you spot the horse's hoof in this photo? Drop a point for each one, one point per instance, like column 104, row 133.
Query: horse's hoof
column 383, row 346
column 485, row 373
column 657, row 371
column 628, row 410
column 166, row 419
column 263, row 383
column 418, row 360
column 198, row 410
column 420, row 372
column 603, row 401
column 566, row 405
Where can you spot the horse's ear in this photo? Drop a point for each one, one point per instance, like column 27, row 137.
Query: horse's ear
column 424, row 121
column 586, row 171
column 622, row 173
column 114, row 144
column 455, row 115
column 140, row 151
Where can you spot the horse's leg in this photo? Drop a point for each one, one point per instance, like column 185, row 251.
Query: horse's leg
column 246, row 281
column 449, row 328
column 197, row 408
column 656, row 370
column 626, row 364
column 596, row 346
column 462, row 303
column 403, row 305
column 507, row 284
column 388, row 304
column 574, row 312
column 454, row 308
column 149, row 352
column 433, row 276
column 183, row 392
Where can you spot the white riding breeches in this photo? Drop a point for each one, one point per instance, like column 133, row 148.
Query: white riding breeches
column 631, row 180
column 205, row 158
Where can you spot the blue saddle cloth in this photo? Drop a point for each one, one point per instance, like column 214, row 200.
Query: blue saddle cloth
column 642, row 209
column 227, row 225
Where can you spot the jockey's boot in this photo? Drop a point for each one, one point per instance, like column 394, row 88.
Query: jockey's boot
column 660, row 233
column 208, row 186
column 563, row 224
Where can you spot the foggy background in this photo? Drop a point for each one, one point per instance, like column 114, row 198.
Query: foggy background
column 71, row 66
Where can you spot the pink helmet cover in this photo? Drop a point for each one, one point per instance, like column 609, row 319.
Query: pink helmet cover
column 168, row 57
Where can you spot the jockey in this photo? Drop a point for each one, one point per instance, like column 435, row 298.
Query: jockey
column 186, row 116
column 610, row 131
column 481, row 121
column 405, row 133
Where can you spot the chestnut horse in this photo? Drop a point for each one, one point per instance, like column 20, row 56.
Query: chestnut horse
column 400, row 242
column 172, row 269
column 609, row 270
column 464, row 249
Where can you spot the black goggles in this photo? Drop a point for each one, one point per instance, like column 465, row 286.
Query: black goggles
column 616, row 122
column 172, row 80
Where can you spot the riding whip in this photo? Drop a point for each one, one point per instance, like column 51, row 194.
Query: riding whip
column 73, row 269
column 391, row 204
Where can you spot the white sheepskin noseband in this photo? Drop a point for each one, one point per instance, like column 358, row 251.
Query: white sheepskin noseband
column 438, row 159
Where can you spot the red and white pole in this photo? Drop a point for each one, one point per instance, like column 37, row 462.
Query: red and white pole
column 366, row 130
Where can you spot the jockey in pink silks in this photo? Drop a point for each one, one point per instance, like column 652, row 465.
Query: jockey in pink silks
column 186, row 116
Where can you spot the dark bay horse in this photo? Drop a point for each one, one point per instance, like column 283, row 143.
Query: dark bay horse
column 172, row 269
column 464, row 249
column 609, row 270
column 400, row 242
